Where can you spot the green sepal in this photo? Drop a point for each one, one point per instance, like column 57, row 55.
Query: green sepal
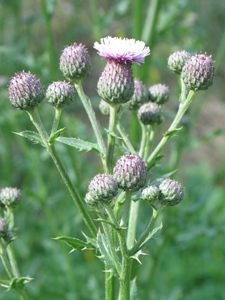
column 31, row 135
column 54, row 136
column 15, row 283
column 74, row 242
column 170, row 133
column 79, row 144
column 105, row 253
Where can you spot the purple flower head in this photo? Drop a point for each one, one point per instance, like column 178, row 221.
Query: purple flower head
column 122, row 50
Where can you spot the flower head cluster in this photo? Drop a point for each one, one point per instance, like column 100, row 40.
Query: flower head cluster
column 25, row 91
column 60, row 94
column 122, row 50
column 139, row 97
column 177, row 60
column 116, row 83
column 150, row 113
column 75, row 62
column 159, row 93
column 9, row 197
column 198, row 72
column 102, row 188
column 130, row 172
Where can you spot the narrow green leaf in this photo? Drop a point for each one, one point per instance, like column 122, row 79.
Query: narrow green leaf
column 31, row 135
column 56, row 134
column 172, row 132
column 16, row 283
column 73, row 242
column 149, row 237
column 79, row 144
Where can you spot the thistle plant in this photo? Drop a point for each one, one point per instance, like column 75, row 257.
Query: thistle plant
column 110, row 208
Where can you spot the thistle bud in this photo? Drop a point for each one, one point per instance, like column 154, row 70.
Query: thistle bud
column 177, row 60
column 102, row 188
column 89, row 200
column 130, row 172
column 159, row 93
column 25, row 91
column 150, row 113
column 198, row 72
column 139, row 97
column 171, row 192
column 60, row 94
column 104, row 108
column 4, row 228
column 116, row 84
column 150, row 194
column 75, row 62
column 10, row 197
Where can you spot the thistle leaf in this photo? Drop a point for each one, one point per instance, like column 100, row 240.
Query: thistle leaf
column 79, row 144
column 31, row 135
column 73, row 242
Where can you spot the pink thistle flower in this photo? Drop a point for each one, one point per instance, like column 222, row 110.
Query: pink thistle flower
column 122, row 50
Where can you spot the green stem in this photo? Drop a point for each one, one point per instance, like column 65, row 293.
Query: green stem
column 35, row 118
column 181, row 111
column 13, row 262
column 111, row 137
column 91, row 114
column 50, row 42
column 124, row 293
column 125, row 138
column 58, row 112
column 143, row 139
column 109, row 286
column 149, row 137
column 4, row 258
column 145, row 234
column 131, row 233
column 125, row 279
column 149, row 32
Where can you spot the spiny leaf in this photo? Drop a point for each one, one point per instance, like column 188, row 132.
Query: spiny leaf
column 31, row 135
column 105, row 253
column 73, row 242
column 149, row 237
column 78, row 143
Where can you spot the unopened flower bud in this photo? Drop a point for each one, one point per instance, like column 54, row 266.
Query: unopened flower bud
column 89, row 200
column 104, row 108
column 198, row 72
column 159, row 93
column 139, row 97
column 150, row 194
column 150, row 113
column 10, row 197
column 60, row 94
column 75, row 62
column 102, row 188
column 116, row 84
column 171, row 192
column 130, row 172
column 177, row 60
column 25, row 91
column 4, row 228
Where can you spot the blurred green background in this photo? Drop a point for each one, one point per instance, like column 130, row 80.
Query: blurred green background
column 186, row 260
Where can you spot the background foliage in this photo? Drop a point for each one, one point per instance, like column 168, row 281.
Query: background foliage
column 186, row 260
